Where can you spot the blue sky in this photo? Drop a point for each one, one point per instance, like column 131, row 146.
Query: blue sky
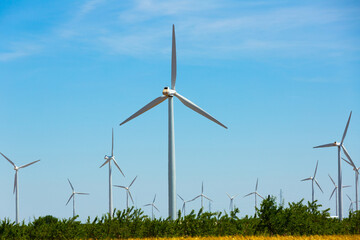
column 283, row 76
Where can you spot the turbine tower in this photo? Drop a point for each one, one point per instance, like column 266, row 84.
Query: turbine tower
column 202, row 195
column 16, row 184
column 128, row 193
column 255, row 193
column 356, row 170
column 152, row 207
column 336, row 192
column 339, row 146
column 73, row 197
column 313, row 179
column 108, row 160
column 169, row 94
column 231, row 206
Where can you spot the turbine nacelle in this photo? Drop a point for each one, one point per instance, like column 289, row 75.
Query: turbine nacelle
column 168, row 92
column 108, row 157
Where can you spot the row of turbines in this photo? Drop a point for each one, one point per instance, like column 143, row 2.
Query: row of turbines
column 168, row 94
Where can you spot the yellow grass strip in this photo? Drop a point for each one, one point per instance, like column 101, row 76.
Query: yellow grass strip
column 315, row 237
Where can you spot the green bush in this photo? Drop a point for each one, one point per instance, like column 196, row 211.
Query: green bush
column 270, row 219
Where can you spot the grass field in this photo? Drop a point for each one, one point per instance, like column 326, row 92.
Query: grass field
column 315, row 237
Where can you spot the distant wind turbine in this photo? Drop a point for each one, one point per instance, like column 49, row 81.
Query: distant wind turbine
column 356, row 170
column 184, row 204
column 255, row 193
column 313, row 179
column 336, row 192
column 202, row 196
column 169, row 94
column 339, row 146
column 108, row 159
column 73, row 197
column 231, row 205
column 128, row 193
column 351, row 203
column 16, row 184
column 152, row 207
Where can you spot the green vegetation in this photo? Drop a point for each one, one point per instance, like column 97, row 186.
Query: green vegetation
column 270, row 219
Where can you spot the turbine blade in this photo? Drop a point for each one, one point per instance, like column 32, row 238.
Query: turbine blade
column 132, row 200
column 15, row 181
column 306, row 179
column 112, row 143
column 83, row 193
column 347, row 155
column 8, row 159
column 259, row 195
column 228, row 195
column 181, row 198
column 154, row 199
column 326, row 145
column 119, row 186
column 132, row 182
column 316, row 168
column 173, row 60
column 207, row 198
column 195, row 198
column 197, row 109
column 346, row 128
column 71, row 185
column 118, row 167
column 349, row 198
column 346, row 186
column 156, row 208
column 332, row 180
column 72, row 195
column 147, row 205
column 249, row 194
column 257, row 182
column 150, row 105
column 202, row 187
column 318, row 185
column 351, row 164
column 26, row 165
column 332, row 193
column 105, row 162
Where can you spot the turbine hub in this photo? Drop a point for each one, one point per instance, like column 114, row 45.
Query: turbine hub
column 106, row 157
column 168, row 92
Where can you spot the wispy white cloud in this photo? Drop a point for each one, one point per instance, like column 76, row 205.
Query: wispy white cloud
column 19, row 50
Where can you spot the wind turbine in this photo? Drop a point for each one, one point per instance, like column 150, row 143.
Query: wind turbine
column 231, row 206
column 73, row 197
column 339, row 146
column 169, row 94
column 255, row 193
column 128, row 193
column 184, row 204
column 351, row 203
column 356, row 170
column 16, row 185
column 108, row 159
column 202, row 195
column 336, row 192
column 313, row 179
column 152, row 207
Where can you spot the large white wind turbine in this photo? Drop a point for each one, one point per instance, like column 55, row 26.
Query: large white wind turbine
column 255, row 193
column 169, row 94
column 16, row 184
column 313, row 179
column 202, row 195
column 184, row 204
column 108, row 159
column 356, row 170
column 128, row 193
column 231, row 205
column 339, row 146
column 336, row 193
column 152, row 207
column 73, row 197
